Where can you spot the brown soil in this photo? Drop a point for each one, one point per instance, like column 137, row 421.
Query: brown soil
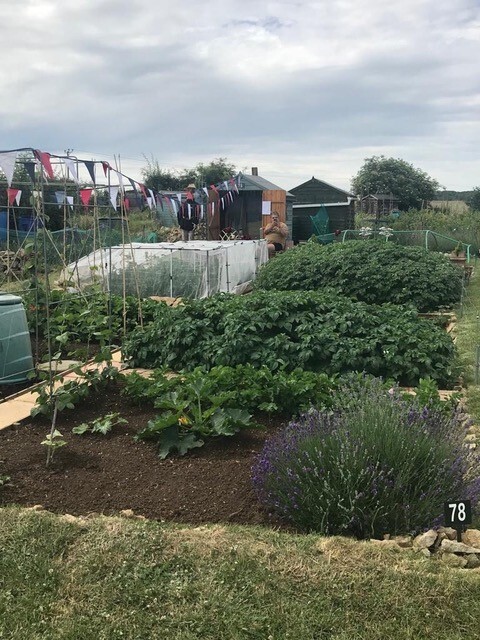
column 105, row 474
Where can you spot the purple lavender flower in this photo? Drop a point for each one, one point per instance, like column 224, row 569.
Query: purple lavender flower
column 377, row 463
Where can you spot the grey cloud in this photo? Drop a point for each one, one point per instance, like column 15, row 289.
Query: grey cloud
column 128, row 77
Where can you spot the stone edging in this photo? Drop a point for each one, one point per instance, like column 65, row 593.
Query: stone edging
column 441, row 543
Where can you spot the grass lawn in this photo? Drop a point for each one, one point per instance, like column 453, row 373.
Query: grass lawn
column 119, row 578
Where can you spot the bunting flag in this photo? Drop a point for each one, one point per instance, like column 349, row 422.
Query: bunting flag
column 44, row 158
column 229, row 187
column 60, row 197
column 30, row 169
column 152, row 203
column 138, row 197
column 120, row 179
column 72, row 168
column 7, row 164
column 90, row 166
column 12, row 196
column 113, row 196
column 85, row 195
column 174, row 205
column 17, row 198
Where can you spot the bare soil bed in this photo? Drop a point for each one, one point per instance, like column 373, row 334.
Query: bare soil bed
column 106, row 474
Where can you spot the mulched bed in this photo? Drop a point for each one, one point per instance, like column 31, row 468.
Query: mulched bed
column 106, row 474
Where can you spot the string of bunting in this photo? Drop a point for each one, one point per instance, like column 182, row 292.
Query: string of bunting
column 152, row 197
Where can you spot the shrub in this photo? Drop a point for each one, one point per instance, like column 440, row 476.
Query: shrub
column 377, row 464
column 288, row 330
column 373, row 271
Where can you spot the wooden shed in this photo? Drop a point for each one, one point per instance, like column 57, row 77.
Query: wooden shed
column 310, row 196
column 256, row 196
column 379, row 205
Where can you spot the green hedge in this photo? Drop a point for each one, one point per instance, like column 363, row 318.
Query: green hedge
column 286, row 330
column 373, row 271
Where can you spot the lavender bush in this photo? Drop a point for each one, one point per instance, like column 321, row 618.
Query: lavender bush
column 378, row 463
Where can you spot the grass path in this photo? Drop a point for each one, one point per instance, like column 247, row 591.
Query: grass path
column 468, row 341
column 108, row 578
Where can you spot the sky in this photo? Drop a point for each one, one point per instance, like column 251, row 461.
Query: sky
column 297, row 89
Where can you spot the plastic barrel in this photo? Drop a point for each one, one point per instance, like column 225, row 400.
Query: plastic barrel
column 25, row 223
column 16, row 362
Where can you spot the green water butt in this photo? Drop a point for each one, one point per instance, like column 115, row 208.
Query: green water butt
column 16, row 362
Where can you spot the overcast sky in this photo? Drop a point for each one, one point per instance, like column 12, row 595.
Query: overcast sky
column 294, row 88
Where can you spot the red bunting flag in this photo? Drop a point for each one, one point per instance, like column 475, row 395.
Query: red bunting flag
column 44, row 158
column 85, row 195
column 106, row 167
column 12, row 194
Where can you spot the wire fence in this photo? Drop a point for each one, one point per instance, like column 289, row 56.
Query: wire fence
column 430, row 240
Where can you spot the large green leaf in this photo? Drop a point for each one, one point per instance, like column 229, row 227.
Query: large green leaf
column 172, row 439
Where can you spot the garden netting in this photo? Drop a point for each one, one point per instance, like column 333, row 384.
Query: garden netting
column 195, row 269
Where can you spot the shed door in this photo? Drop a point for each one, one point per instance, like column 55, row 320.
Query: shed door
column 278, row 198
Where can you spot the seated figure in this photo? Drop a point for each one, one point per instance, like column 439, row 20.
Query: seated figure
column 275, row 234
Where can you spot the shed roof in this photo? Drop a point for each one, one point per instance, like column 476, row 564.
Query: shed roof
column 257, row 183
column 381, row 196
column 316, row 181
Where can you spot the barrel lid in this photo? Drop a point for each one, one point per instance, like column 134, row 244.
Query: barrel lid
column 9, row 298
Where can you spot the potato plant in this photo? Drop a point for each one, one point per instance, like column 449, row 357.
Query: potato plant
column 373, row 271
column 286, row 330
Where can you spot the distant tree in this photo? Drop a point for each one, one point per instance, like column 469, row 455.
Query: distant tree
column 160, row 179
column 393, row 175
column 214, row 172
column 202, row 174
column 475, row 199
